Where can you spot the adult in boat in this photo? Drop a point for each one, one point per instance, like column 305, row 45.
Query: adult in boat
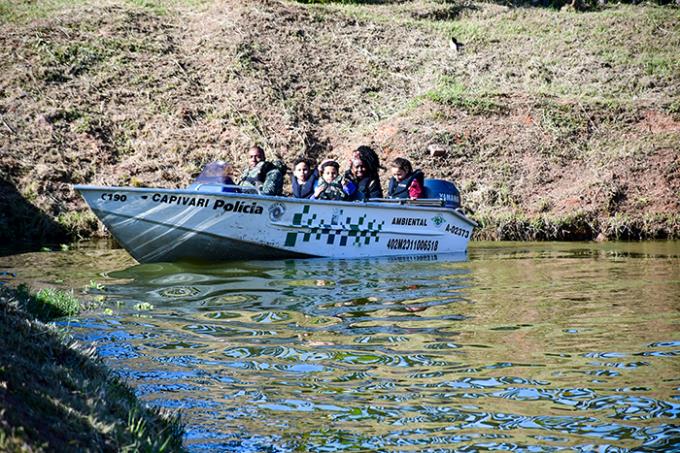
column 262, row 174
column 405, row 183
column 362, row 181
column 304, row 179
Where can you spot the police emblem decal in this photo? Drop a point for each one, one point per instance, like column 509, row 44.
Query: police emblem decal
column 276, row 211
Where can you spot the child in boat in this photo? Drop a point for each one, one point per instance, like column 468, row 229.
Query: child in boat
column 330, row 184
column 304, row 179
column 405, row 183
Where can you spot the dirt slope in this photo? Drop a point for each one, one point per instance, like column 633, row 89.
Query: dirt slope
column 555, row 125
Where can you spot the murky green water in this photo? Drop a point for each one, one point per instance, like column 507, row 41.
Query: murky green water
column 527, row 347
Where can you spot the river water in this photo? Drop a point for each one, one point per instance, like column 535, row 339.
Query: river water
column 518, row 346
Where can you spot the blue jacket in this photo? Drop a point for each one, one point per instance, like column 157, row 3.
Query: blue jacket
column 401, row 189
column 307, row 189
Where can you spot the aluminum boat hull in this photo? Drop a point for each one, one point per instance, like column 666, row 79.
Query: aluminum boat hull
column 162, row 225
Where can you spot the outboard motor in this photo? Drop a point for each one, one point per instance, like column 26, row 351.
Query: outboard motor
column 215, row 177
column 443, row 190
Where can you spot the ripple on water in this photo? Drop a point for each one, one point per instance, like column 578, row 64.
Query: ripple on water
column 178, row 292
column 175, row 345
column 629, row 407
column 271, row 317
column 280, row 352
column 223, row 331
column 526, row 347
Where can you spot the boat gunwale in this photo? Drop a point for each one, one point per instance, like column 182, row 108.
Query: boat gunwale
column 371, row 204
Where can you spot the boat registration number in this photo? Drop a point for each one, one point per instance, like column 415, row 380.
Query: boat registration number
column 114, row 197
column 457, row 231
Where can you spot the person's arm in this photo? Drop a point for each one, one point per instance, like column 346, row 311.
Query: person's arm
column 310, row 186
column 242, row 178
column 295, row 187
column 415, row 190
column 349, row 188
column 374, row 189
column 319, row 190
column 273, row 183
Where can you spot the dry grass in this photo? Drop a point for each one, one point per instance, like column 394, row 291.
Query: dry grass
column 543, row 111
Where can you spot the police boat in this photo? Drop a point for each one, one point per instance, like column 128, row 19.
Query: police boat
column 214, row 221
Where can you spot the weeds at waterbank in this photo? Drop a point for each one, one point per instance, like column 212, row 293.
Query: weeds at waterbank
column 582, row 226
column 56, row 395
column 48, row 303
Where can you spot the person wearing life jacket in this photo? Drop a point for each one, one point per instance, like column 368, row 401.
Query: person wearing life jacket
column 262, row 174
column 304, row 178
column 405, row 183
column 330, row 184
column 362, row 181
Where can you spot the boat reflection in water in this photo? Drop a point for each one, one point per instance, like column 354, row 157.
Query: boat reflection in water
column 523, row 347
column 295, row 284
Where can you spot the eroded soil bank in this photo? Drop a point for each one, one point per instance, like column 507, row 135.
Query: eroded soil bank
column 56, row 395
column 557, row 124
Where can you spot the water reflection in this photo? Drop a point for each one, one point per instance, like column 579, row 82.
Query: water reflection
column 523, row 347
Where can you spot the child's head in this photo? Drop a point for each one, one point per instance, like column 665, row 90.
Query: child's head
column 330, row 170
column 302, row 169
column 401, row 168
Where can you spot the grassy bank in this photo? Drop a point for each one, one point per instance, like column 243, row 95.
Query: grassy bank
column 578, row 226
column 547, row 114
column 56, row 395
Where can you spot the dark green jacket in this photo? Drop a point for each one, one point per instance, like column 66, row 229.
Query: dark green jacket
column 266, row 176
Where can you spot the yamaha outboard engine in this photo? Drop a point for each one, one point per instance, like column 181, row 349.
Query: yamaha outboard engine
column 443, row 190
